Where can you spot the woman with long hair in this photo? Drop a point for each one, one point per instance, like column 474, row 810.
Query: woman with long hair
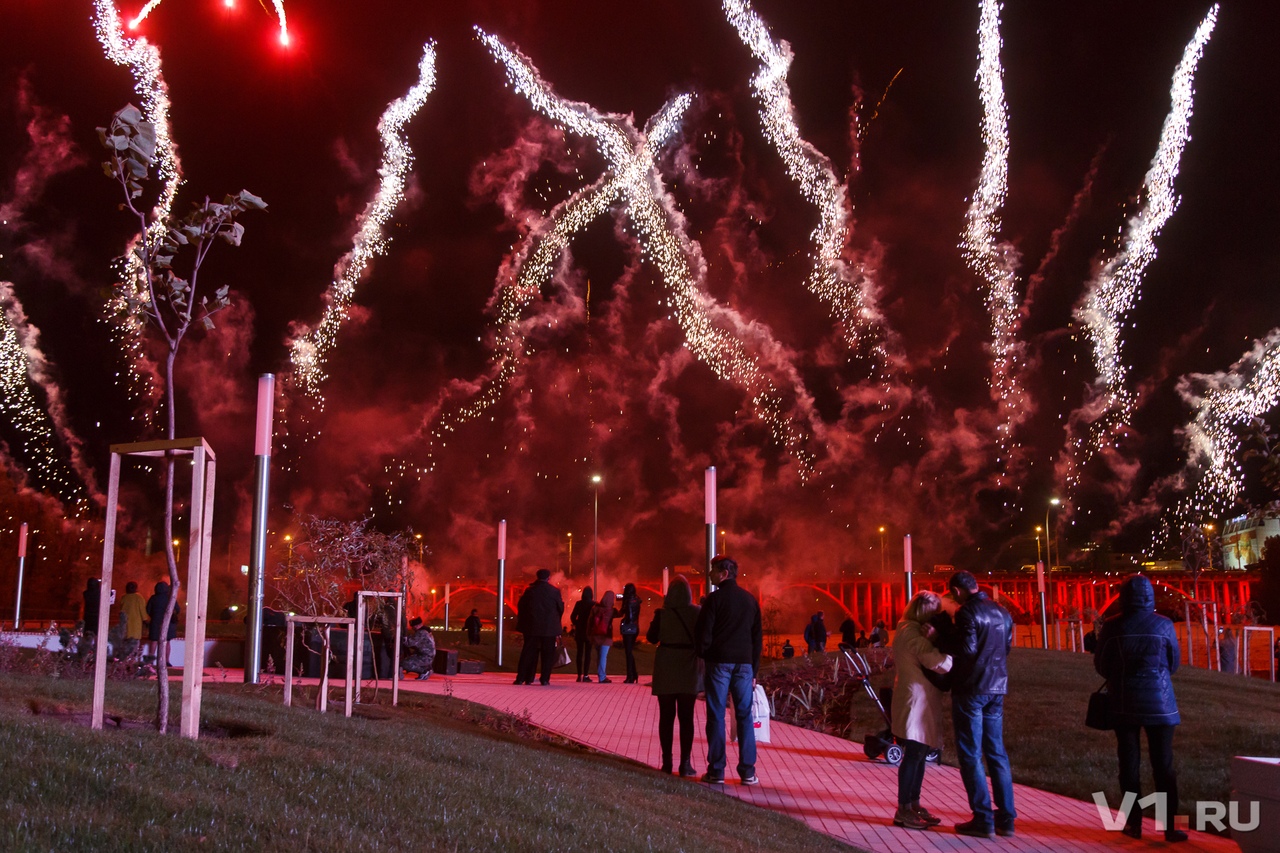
column 629, row 628
column 601, row 628
column 675, row 671
column 917, row 705
column 580, row 619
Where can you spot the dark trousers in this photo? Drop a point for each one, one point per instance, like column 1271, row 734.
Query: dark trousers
column 535, row 648
column 629, row 646
column 669, row 704
column 584, row 657
column 1160, row 747
column 911, row 772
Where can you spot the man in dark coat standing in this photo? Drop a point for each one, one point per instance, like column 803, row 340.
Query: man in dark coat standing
column 729, row 638
column 538, row 617
column 1138, row 653
column 980, row 679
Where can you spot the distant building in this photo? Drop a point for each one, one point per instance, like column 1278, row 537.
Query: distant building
column 1243, row 539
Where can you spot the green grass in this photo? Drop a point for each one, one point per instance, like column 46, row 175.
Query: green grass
column 1050, row 748
column 435, row 773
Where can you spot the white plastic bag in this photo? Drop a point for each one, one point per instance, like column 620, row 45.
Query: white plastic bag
column 759, row 717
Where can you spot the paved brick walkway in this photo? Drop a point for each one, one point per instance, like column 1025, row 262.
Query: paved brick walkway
column 824, row 781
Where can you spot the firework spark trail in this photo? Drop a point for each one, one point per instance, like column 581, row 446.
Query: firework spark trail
column 630, row 179
column 278, row 4
column 284, row 26
column 1115, row 287
column 309, row 350
column 630, row 156
column 143, row 61
column 996, row 261
column 22, row 363
column 830, row 278
column 1222, row 402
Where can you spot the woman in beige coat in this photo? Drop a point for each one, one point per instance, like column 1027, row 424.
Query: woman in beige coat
column 917, row 705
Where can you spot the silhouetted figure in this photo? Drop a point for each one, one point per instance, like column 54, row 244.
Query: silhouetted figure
column 629, row 629
column 580, row 620
column 1137, row 654
column 538, row 617
column 675, row 671
column 472, row 627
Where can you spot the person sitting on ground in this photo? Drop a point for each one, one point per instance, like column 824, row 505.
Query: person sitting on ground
column 420, row 650
column 862, row 642
column 788, row 650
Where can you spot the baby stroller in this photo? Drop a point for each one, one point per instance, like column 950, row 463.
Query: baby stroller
column 882, row 744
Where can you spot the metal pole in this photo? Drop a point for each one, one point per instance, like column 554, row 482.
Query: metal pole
column 1044, row 619
column 446, row 606
column 502, row 579
column 595, row 543
column 22, row 563
column 258, row 536
column 906, row 563
column 709, row 484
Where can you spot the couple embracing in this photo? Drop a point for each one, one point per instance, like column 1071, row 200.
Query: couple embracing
column 968, row 654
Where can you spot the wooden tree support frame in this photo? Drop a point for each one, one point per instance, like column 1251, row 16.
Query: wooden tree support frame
column 199, row 542
column 395, row 654
column 328, row 622
column 1270, row 634
column 1213, row 660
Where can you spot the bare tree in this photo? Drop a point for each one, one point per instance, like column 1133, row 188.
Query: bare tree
column 160, row 299
column 332, row 557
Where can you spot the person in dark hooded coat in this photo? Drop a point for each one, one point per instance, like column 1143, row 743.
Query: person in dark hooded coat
column 1138, row 653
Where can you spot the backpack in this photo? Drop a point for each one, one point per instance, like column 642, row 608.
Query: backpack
column 599, row 624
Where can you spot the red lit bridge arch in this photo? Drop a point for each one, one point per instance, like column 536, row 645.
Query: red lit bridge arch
column 869, row 601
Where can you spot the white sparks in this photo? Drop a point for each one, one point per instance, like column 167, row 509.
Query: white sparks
column 830, row 278
column 143, row 61
column 284, row 26
column 1223, row 402
column 996, row 261
column 21, row 364
column 1115, row 287
column 631, row 179
column 310, row 350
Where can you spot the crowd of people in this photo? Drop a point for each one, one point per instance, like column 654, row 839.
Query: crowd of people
column 955, row 643
column 135, row 634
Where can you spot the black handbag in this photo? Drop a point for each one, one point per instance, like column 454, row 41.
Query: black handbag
column 1099, row 714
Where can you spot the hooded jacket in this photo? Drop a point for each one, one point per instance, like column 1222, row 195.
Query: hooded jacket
column 1138, row 653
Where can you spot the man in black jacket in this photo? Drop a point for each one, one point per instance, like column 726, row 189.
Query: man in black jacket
column 980, row 679
column 729, row 638
column 538, row 617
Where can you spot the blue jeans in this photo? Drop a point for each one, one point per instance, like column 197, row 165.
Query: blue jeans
column 604, row 659
column 723, row 680
column 979, row 722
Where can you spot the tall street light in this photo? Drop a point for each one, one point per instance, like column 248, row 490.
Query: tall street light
column 595, row 539
column 724, row 542
column 571, row 554
column 884, row 565
column 418, row 536
column 1038, row 529
column 1048, row 552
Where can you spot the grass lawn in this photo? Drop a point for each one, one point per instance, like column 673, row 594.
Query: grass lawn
column 1050, row 747
column 435, row 773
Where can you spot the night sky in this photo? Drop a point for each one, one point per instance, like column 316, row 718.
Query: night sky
column 608, row 386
